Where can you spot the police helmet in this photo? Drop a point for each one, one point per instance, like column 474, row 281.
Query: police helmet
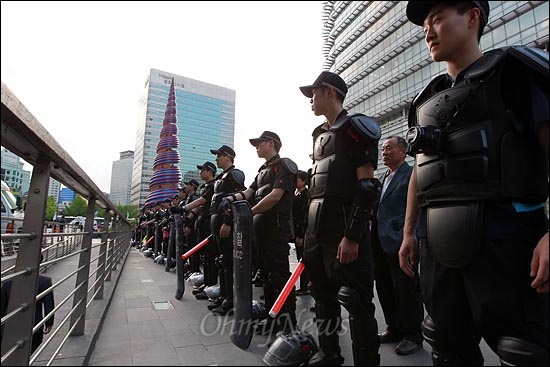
column 259, row 311
column 196, row 279
column 293, row 349
column 213, row 292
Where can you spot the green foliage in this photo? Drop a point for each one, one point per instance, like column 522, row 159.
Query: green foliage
column 77, row 207
column 50, row 208
column 130, row 210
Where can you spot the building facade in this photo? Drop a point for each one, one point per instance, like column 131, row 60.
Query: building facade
column 383, row 57
column 13, row 174
column 206, row 120
column 121, row 178
column 66, row 197
column 54, row 189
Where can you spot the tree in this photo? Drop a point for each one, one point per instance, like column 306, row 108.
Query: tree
column 78, row 207
column 130, row 210
column 50, row 208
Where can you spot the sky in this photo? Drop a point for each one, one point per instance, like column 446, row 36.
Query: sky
column 80, row 69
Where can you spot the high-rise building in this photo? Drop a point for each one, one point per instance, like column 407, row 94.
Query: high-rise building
column 54, row 188
column 205, row 120
column 12, row 172
column 383, row 57
column 121, row 178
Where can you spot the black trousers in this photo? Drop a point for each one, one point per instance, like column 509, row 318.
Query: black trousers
column 272, row 234
column 489, row 298
column 328, row 275
column 399, row 295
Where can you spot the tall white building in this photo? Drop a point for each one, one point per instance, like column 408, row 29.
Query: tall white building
column 54, row 187
column 205, row 120
column 121, row 178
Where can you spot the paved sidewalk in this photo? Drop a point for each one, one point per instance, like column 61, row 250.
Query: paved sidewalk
column 136, row 332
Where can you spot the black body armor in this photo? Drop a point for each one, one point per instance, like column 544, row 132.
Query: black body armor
column 266, row 176
column 469, row 146
column 228, row 182
column 333, row 173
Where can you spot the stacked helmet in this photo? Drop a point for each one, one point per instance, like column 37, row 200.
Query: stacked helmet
column 196, row 279
column 259, row 311
column 213, row 292
column 293, row 349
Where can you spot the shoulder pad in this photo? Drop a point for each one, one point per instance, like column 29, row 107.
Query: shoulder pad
column 532, row 57
column 237, row 175
column 289, row 165
column 366, row 126
column 486, row 63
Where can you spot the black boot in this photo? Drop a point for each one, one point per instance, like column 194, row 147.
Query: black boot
column 225, row 308
column 216, row 304
column 322, row 359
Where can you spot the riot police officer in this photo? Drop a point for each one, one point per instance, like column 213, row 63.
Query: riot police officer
column 229, row 181
column 337, row 253
column 480, row 136
column 200, row 211
column 272, row 195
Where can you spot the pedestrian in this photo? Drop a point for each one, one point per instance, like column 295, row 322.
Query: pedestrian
column 299, row 211
column 271, row 194
column 229, row 181
column 43, row 307
column 337, row 253
column 479, row 134
column 399, row 294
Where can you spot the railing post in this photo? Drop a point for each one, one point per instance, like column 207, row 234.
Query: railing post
column 110, row 245
column 79, row 316
column 99, row 286
column 18, row 329
column 116, row 244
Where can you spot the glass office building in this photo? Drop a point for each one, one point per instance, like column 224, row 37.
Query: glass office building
column 206, row 120
column 383, row 57
column 121, row 179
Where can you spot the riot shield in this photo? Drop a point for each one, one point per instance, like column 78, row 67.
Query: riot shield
column 242, row 328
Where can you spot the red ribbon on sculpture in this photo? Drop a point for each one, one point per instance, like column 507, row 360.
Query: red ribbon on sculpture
column 196, row 248
column 286, row 290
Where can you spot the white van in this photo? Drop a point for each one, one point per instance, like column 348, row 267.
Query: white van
column 10, row 211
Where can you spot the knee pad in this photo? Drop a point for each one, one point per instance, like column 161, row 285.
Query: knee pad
column 351, row 300
column 516, row 352
column 428, row 330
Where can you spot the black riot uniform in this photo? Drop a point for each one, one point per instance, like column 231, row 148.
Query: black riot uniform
column 272, row 231
column 176, row 234
column 339, row 206
column 209, row 252
column 482, row 180
column 227, row 182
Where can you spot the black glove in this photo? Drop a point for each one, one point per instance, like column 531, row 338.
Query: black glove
column 225, row 205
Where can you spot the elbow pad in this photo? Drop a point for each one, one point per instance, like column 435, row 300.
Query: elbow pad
column 367, row 193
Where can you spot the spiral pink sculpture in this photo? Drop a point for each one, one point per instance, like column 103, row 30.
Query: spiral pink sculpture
column 166, row 173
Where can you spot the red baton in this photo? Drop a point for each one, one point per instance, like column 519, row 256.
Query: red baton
column 196, row 248
column 286, row 290
column 149, row 241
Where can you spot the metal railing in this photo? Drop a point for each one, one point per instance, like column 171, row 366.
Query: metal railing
column 23, row 135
